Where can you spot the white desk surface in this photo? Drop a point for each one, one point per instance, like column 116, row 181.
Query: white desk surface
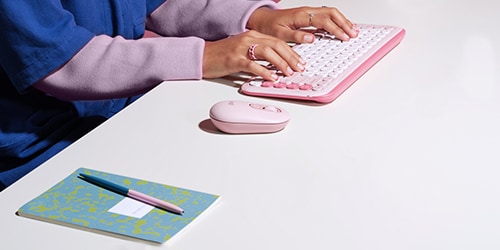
column 407, row 158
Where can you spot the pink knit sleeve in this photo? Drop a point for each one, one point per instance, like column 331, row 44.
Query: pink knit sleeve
column 209, row 19
column 114, row 67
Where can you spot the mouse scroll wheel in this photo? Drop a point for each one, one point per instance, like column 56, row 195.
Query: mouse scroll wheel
column 273, row 109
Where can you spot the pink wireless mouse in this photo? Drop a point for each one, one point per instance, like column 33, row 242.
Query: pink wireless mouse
column 240, row 117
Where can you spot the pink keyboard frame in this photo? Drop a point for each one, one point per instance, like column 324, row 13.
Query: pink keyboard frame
column 344, row 84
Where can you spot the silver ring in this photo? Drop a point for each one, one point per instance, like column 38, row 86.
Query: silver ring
column 311, row 18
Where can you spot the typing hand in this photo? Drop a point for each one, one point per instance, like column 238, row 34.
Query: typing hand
column 239, row 53
column 286, row 23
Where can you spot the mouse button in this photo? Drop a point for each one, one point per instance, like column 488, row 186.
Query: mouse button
column 229, row 111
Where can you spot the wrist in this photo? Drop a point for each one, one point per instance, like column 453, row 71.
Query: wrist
column 255, row 20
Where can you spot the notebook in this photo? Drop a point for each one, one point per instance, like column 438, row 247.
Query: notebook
column 77, row 203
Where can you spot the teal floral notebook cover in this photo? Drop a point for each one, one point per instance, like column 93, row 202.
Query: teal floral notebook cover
column 78, row 203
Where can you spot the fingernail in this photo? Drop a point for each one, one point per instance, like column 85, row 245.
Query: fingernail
column 347, row 37
column 289, row 70
column 301, row 66
column 309, row 38
column 302, row 61
column 274, row 76
column 355, row 31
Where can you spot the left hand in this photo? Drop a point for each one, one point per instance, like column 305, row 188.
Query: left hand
column 286, row 23
column 232, row 54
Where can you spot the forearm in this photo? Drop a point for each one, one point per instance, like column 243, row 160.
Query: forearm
column 208, row 19
column 114, row 67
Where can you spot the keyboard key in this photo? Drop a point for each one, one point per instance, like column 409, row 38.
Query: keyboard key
column 331, row 65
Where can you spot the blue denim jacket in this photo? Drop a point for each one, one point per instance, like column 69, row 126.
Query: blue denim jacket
column 38, row 37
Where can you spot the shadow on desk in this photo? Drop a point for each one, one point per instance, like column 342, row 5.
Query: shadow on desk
column 207, row 126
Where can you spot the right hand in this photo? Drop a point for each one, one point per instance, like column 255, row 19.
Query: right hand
column 230, row 55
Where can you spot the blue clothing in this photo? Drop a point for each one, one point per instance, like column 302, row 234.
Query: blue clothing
column 38, row 37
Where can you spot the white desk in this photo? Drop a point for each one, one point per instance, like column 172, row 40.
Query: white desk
column 405, row 159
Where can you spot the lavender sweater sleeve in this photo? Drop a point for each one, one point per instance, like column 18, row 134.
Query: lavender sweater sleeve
column 209, row 19
column 112, row 67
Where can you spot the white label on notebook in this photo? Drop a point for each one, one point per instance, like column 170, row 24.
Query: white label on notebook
column 131, row 207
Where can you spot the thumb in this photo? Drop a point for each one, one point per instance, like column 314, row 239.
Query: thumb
column 298, row 36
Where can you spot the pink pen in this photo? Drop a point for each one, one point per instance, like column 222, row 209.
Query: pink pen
column 132, row 194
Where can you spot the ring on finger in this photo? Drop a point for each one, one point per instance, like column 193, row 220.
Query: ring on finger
column 311, row 18
column 251, row 52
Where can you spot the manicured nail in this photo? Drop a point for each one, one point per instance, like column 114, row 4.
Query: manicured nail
column 355, row 31
column 302, row 61
column 301, row 66
column 289, row 70
column 309, row 38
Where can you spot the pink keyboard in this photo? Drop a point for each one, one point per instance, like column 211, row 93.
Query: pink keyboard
column 332, row 66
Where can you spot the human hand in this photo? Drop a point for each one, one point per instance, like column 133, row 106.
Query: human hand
column 232, row 55
column 286, row 23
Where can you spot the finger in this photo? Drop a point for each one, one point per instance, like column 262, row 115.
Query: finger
column 322, row 21
column 297, row 36
column 340, row 21
column 333, row 21
column 279, row 54
column 258, row 70
column 286, row 60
